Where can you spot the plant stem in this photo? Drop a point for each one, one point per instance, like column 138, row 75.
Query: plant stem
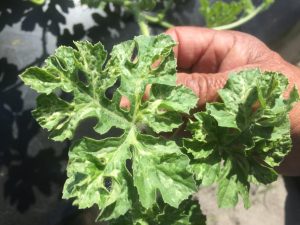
column 144, row 28
column 242, row 20
column 158, row 21
column 167, row 7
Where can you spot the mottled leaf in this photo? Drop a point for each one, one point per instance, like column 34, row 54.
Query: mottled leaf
column 105, row 172
column 160, row 166
column 244, row 137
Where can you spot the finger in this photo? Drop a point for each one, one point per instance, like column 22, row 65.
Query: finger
column 200, row 49
column 205, row 50
column 205, row 86
column 147, row 92
column 125, row 103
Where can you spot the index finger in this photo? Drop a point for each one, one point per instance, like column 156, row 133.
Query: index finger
column 203, row 50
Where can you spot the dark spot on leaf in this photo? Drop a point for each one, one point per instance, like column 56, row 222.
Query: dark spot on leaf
column 129, row 165
column 82, row 77
column 131, row 148
column 111, row 90
column 102, row 161
column 68, row 97
column 108, row 183
column 134, row 56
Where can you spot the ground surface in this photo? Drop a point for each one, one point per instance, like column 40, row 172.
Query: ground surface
column 267, row 207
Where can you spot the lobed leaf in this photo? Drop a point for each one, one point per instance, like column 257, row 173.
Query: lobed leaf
column 63, row 72
column 188, row 212
column 161, row 111
column 138, row 175
column 98, row 175
column 234, row 12
column 219, row 12
column 241, row 139
column 160, row 166
column 104, row 172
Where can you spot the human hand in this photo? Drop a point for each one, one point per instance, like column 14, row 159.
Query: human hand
column 205, row 57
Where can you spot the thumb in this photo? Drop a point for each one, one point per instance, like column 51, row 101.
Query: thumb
column 205, row 86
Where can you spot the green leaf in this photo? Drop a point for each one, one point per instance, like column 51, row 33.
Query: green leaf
column 208, row 170
column 224, row 118
column 124, row 220
column 160, row 112
column 62, row 71
column 242, row 138
column 220, row 12
column 232, row 183
column 228, row 191
column 138, row 70
column 188, row 212
column 134, row 161
column 157, row 166
column 98, row 175
column 147, row 4
column 160, row 166
column 260, row 174
column 38, row 2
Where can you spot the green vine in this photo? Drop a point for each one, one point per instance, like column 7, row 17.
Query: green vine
column 222, row 15
column 218, row 15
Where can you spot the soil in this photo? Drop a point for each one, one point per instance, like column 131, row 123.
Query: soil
column 268, row 204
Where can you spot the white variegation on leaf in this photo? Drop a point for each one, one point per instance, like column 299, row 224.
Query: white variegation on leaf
column 141, row 177
column 246, row 135
column 107, row 172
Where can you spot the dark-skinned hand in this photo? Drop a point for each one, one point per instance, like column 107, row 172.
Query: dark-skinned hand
column 205, row 57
